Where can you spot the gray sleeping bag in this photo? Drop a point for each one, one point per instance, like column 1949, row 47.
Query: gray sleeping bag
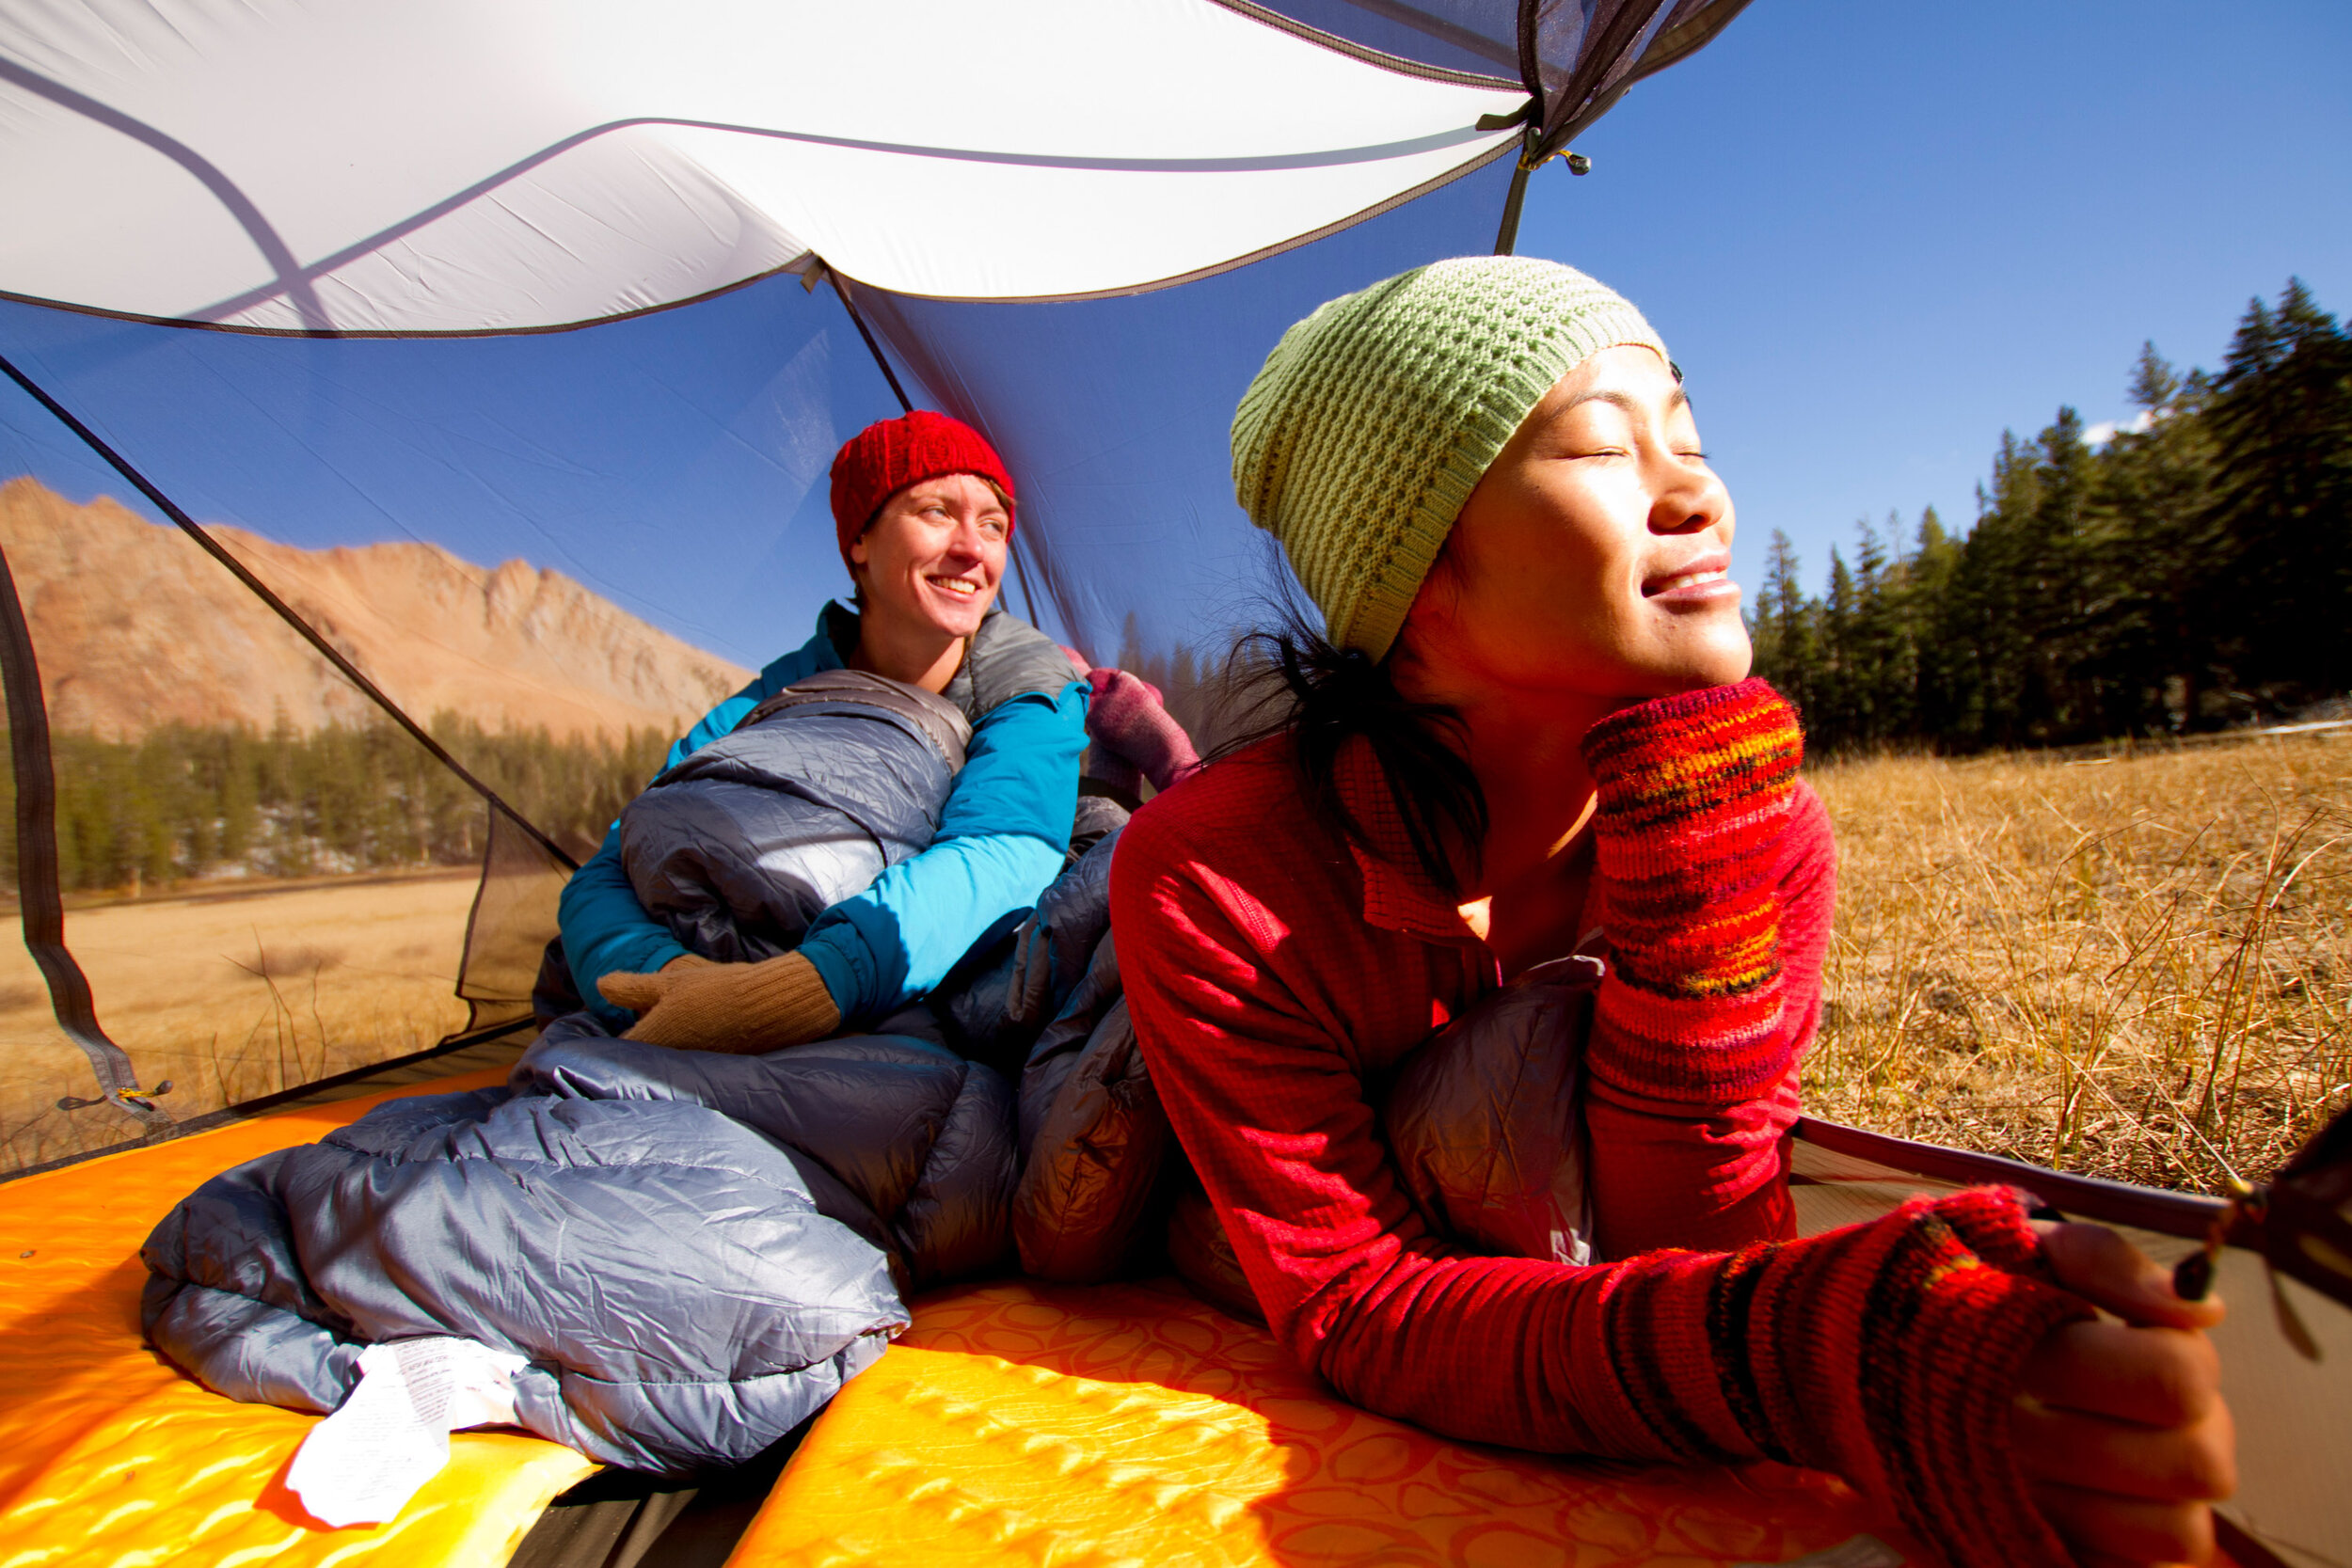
column 820, row 790
column 693, row 1252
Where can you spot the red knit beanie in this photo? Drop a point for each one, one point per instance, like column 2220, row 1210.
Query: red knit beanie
column 890, row 454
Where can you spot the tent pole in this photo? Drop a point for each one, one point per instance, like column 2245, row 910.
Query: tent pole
column 1507, row 235
column 1532, row 133
column 286, row 613
column 842, row 290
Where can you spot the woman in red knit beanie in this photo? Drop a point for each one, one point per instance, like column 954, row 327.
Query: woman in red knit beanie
column 924, row 513
column 1526, row 732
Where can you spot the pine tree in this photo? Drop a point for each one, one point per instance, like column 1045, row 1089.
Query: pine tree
column 2144, row 515
column 1782, row 627
column 2281, row 504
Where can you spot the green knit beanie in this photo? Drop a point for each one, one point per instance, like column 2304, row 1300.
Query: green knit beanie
column 1374, row 419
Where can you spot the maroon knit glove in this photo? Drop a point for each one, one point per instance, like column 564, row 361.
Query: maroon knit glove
column 1889, row 1353
column 1695, row 794
column 1133, row 735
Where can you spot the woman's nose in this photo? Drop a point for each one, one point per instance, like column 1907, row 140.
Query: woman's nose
column 1689, row 498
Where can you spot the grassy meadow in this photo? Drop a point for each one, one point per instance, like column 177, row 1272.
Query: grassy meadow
column 231, row 993
column 2135, row 964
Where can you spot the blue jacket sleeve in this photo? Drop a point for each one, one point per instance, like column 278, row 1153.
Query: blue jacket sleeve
column 1002, row 837
column 605, row 930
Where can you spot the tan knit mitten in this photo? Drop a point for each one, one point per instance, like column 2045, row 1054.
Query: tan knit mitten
column 743, row 1009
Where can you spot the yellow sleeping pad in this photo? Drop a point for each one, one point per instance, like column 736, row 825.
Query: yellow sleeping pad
column 1133, row 1425
column 109, row 1454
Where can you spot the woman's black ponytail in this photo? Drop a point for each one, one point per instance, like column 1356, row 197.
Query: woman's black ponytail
column 1329, row 696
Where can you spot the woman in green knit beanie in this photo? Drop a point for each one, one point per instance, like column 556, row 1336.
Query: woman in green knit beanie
column 1526, row 732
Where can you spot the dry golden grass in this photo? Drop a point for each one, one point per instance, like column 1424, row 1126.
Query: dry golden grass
column 2137, row 966
column 229, row 995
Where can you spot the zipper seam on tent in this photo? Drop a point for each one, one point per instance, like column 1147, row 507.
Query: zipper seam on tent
column 286, row 613
column 2171, row 1213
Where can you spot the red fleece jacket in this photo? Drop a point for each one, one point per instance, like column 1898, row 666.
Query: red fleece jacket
column 1278, row 972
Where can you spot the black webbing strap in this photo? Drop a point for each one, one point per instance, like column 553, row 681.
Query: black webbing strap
column 286, row 613
column 38, row 888
column 872, row 347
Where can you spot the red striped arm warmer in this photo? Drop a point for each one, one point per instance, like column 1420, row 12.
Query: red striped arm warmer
column 1888, row 1352
column 1694, row 793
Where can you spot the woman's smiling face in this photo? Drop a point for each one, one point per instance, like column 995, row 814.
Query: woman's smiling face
column 933, row 555
column 1594, row 557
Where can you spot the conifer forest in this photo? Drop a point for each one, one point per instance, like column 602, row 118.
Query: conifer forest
column 188, row 801
column 2192, row 572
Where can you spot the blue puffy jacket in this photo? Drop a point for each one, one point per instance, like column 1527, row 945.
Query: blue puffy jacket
column 1002, row 834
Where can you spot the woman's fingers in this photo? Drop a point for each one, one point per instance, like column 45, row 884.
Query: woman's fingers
column 2194, row 1461
column 637, row 993
column 2108, row 1272
column 2121, row 1428
column 2157, row 1377
column 2105, row 1530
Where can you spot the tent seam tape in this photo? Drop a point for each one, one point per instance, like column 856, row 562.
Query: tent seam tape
column 369, row 334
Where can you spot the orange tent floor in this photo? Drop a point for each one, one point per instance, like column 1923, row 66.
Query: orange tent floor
column 111, row 1455
column 1132, row 1424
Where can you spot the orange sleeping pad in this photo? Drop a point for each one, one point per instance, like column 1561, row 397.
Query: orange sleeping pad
column 109, row 1454
column 1133, row 1424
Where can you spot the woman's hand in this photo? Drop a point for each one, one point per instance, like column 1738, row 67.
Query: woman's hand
column 1126, row 718
column 2119, row 1427
column 694, row 1004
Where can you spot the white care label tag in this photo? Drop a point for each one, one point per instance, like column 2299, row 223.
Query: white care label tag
column 361, row 1464
column 1862, row 1551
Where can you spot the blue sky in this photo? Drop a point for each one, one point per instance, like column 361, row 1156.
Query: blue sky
column 1875, row 235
